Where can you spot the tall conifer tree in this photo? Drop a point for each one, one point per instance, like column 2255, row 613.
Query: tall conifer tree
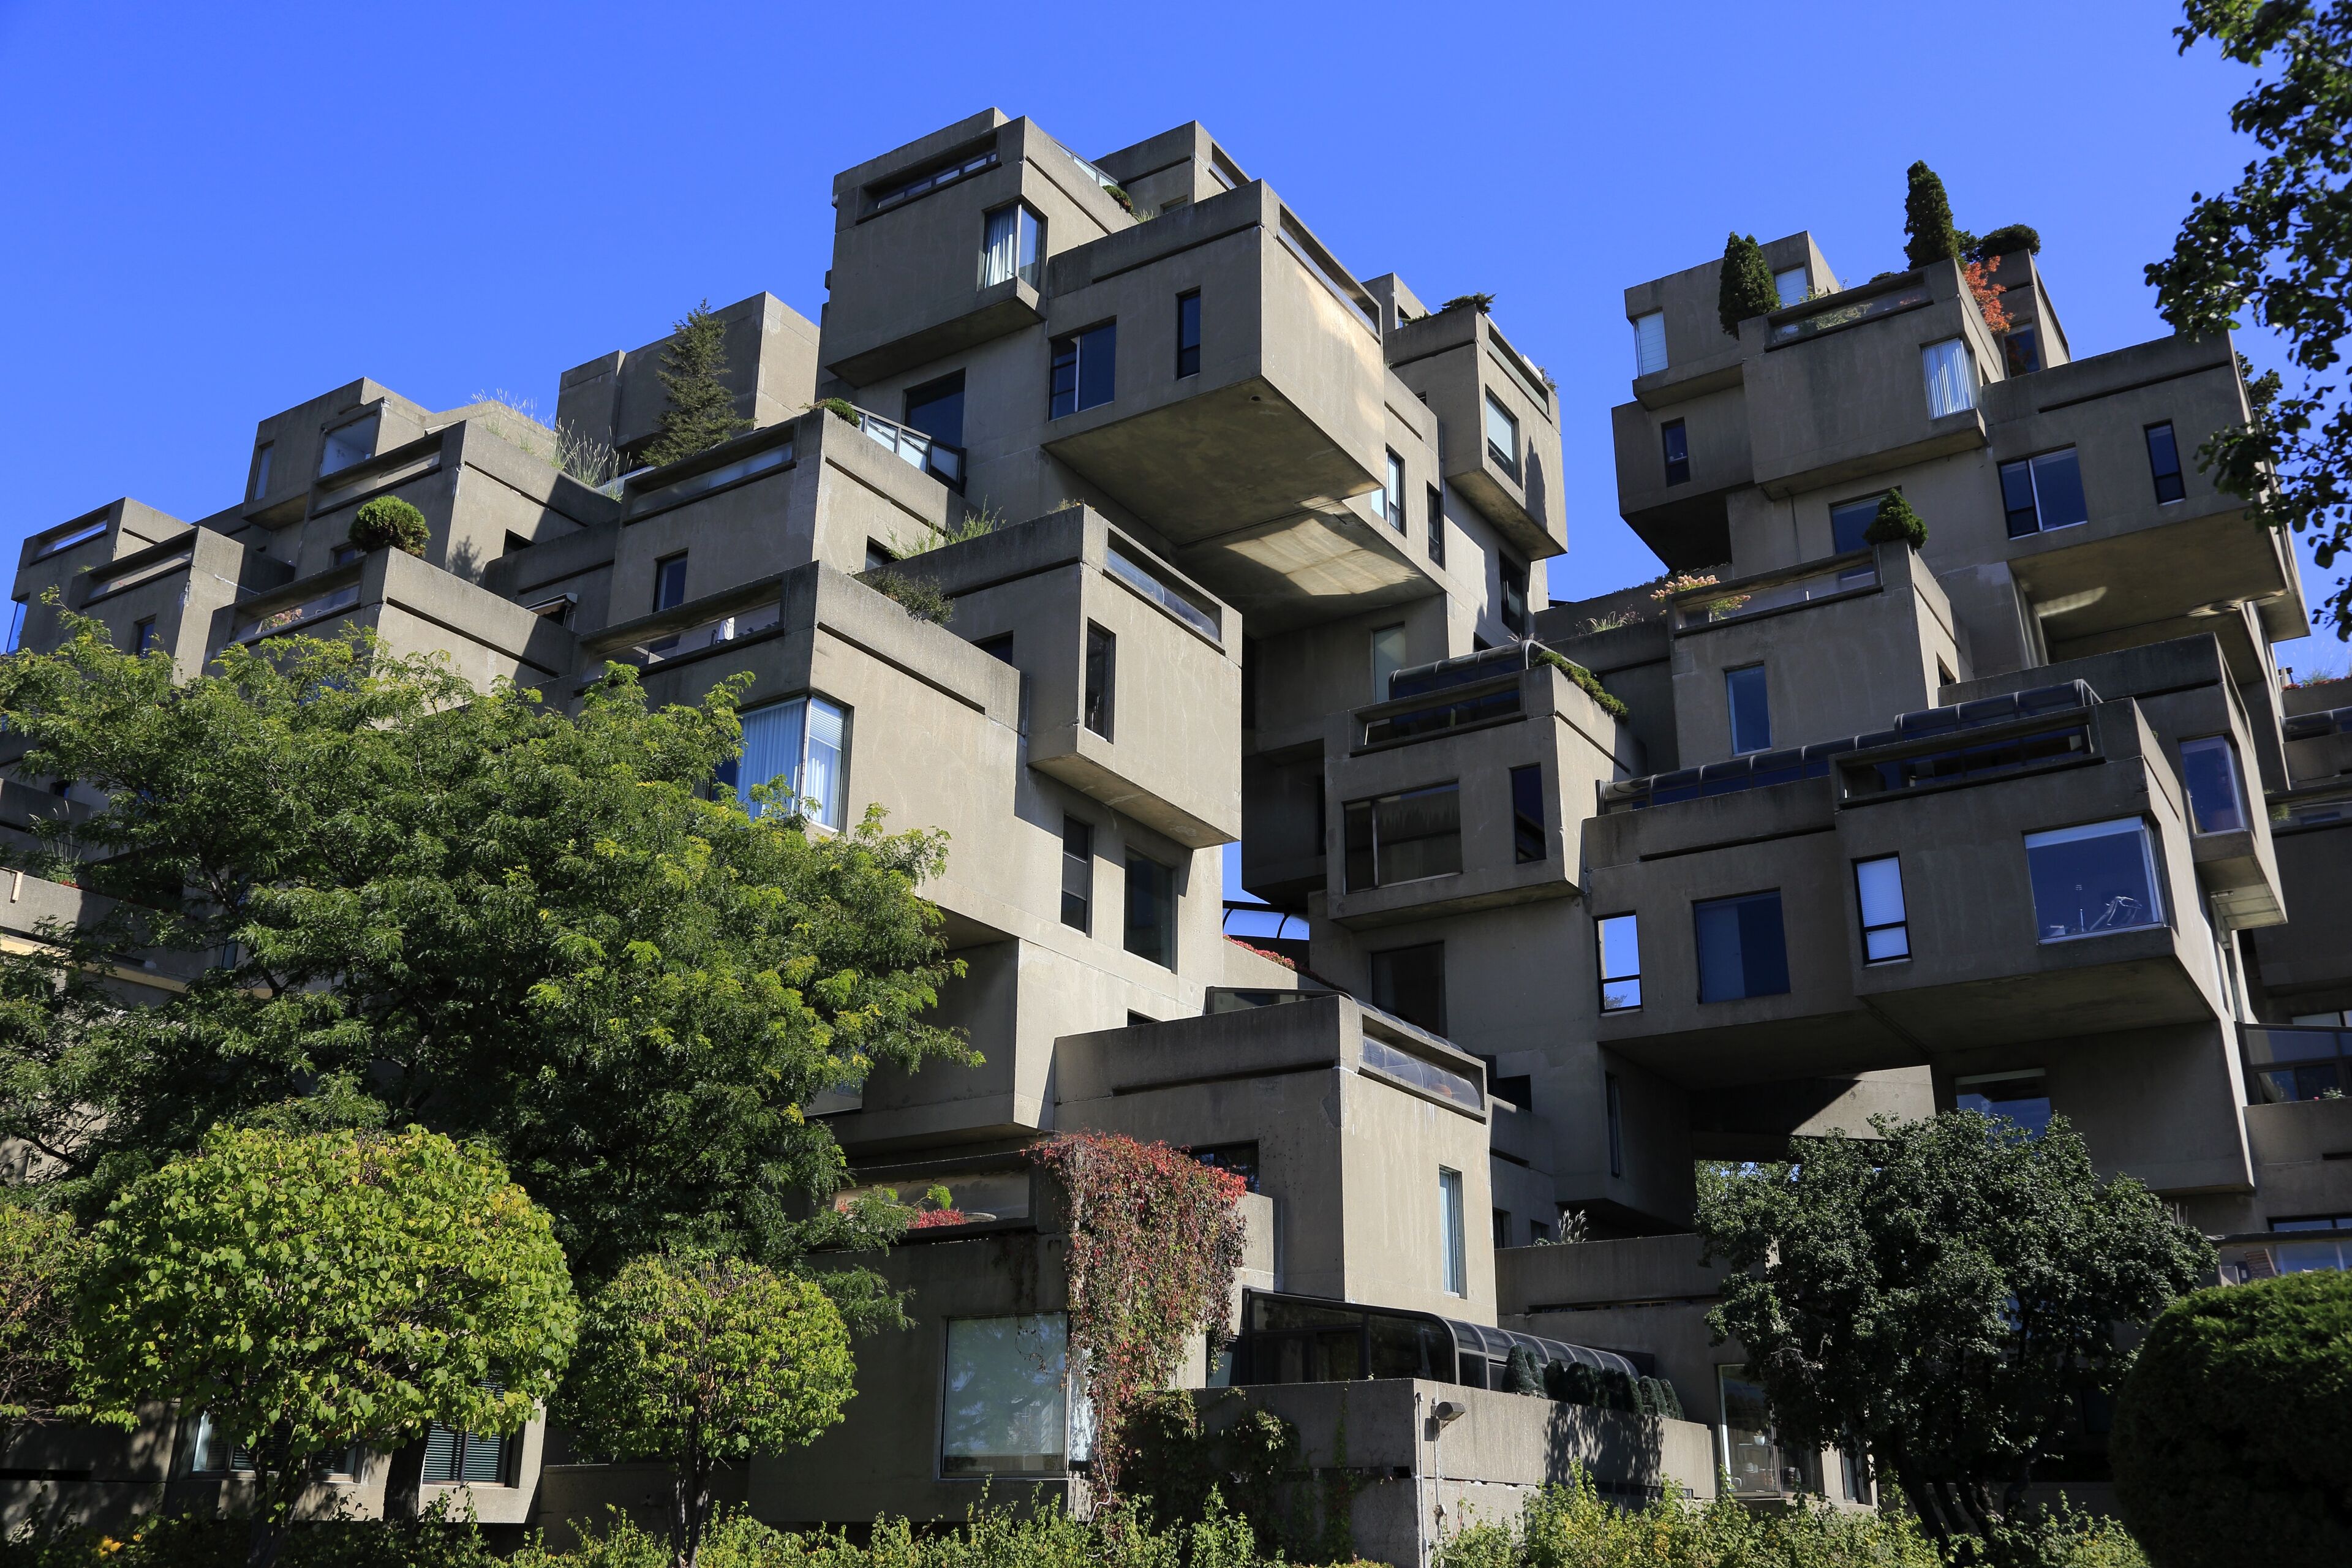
column 1746, row 287
column 1927, row 220
column 701, row 411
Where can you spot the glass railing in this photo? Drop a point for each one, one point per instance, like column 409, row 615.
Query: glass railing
column 709, row 634
column 293, row 615
column 760, row 462
column 917, row 450
column 2288, row 1064
column 1709, row 607
column 1833, row 315
column 1144, row 581
column 1427, row 1075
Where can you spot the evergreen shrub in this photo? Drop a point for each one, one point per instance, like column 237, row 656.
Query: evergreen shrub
column 1896, row 522
column 390, row 521
column 1746, row 287
column 2009, row 239
column 1927, row 220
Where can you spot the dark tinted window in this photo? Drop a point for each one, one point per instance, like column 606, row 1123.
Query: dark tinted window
column 2163, row 463
column 1849, row 522
column 1513, row 576
column 1436, row 526
column 1410, row 982
column 1077, row 873
column 2023, row 349
column 1741, row 950
column 1188, row 333
column 936, row 409
column 1677, row 441
column 1150, row 910
column 1751, row 713
column 670, row 583
column 1526, row 816
column 1085, row 368
column 1102, row 653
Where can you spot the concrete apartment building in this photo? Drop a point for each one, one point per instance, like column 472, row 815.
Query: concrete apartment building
column 2026, row 818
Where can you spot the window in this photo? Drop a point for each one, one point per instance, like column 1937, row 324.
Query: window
column 1951, row 374
column 1241, row 1159
column 1621, row 962
column 800, row 746
column 1404, row 838
column 1393, row 493
column 1878, row 892
column 1085, row 366
column 1010, row 242
column 2164, row 462
column 348, row 443
column 1677, row 444
column 1849, row 520
column 1409, row 982
column 1527, row 836
column 1388, row 658
column 1502, row 1229
column 2208, row 766
column 2093, row 880
column 2021, row 347
column 1751, row 1457
column 2042, row 493
column 670, row 583
column 1436, row 526
column 1077, row 874
column 1150, row 910
column 1502, row 436
column 1449, row 1232
column 1792, row 286
column 212, row 1452
column 1650, row 343
column 1102, row 671
column 1616, row 1125
column 878, row 555
column 258, row 486
column 470, row 1458
column 1539, row 1232
column 1007, row 1406
column 2022, row 1097
column 936, row 409
column 1751, row 711
column 1741, row 950
column 1188, row 334
column 142, row 634
column 1513, row 575
column 2324, row 1241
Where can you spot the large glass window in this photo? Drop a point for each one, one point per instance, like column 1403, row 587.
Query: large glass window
column 1850, row 520
column 1751, row 1457
column 1404, row 838
column 1621, row 962
column 1502, row 436
column 1752, row 711
column 1085, row 366
column 1151, row 910
column 1878, row 889
column 1449, row 1232
column 1676, row 437
column 1742, row 950
column 1102, row 670
column 1010, row 245
column 2038, row 494
column 2324, row 1241
column 1077, row 874
column 2093, row 880
column 1409, row 982
column 1951, row 372
column 1650, row 343
column 2023, row 1096
column 802, row 746
column 1007, row 1408
column 1188, row 334
column 936, row 409
column 1388, row 658
column 1529, row 839
column 2208, row 766
column 348, row 443
column 2164, row 462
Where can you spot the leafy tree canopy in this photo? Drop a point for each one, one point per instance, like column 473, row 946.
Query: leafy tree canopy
column 1943, row 1293
column 1746, row 287
column 313, row 1291
column 424, row 904
column 700, row 1363
column 701, row 411
column 2277, row 247
column 41, row 1258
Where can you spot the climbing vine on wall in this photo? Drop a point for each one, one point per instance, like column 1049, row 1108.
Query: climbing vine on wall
column 1154, row 1240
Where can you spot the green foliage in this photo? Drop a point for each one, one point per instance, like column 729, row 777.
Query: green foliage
column 1589, row 683
column 2277, row 246
column 312, row 1292
column 1928, row 234
column 2009, row 239
column 41, row 1259
column 1897, row 523
column 2232, row 1440
column 701, row 411
column 1746, row 287
column 390, row 521
column 1482, row 303
column 703, row 1363
column 839, row 407
column 1945, row 1293
column 1181, row 1470
column 918, row 595
column 437, row 1540
column 464, row 910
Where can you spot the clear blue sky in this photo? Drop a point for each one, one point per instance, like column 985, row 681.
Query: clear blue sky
column 207, row 215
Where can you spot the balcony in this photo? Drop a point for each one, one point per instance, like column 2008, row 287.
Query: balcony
column 1502, row 446
column 411, row 608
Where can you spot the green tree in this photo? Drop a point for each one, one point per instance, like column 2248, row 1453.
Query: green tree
column 388, row 519
column 2277, row 246
column 41, row 1258
column 424, row 904
column 1896, row 522
column 311, row 1292
column 701, row 411
column 703, row 1363
column 1928, row 234
column 2232, row 1440
column 1746, row 287
column 1944, row 1293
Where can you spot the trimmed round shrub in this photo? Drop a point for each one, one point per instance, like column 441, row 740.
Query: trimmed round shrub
column 2232, row 1440
column 1897, row 523
column 390, row 521
column 2010, row 239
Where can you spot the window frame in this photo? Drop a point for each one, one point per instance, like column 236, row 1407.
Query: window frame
column 1601, row 948
column 2157, row 475
column 1436, row 502
column 1453, row 1265
column 1371, row 807
column 1372, row 645
column 1034, row 231
column 1615, row 1097
column 1931, row 371
column 1078, row 863
column 1392, row 491
column 143, row 638
column 1165, row 904
column 1185, row 367
column 1508, row 461
column 1527, row 826
column 1901, row 924
column 1384, row 997
column 1642, row 365
column 663, row 568
column 1080, row 356
column 1966, row 1086
column 2029, row 466
column 2228, row 747
column 1698, row 946
column 2079, row 832
column 1731, row 708
column 831, row 814
column 257, row 479
column 1098, row 682
column 1076, row 1423
column 1673, row 434
column 1512, row 583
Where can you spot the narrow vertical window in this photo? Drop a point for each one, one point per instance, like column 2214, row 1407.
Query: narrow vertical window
column 1951, row 375
column 1388, row 658
column 1502, row 436
column 1616, row 1126
column 1150, row 910
column 1102, row 661
column 1513, row 578
column 258, row 486
column 1393, row 493
column 1878, row 893
column 1085, row 367
column 2208, row 766
column 1677, row 446
column 670, row 583
column 143, row 636
column 1650, row 343
column 2021, row 347
column 1621, row 962
column 1436, row 526
column 1008, row 246
column 1527, row 816
column 1077, row 874
column 2163, row 463
column 1449, row 1232
column 1750, row 710
column 1188, row 334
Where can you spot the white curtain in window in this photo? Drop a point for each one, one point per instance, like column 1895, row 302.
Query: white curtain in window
column 1650, row 343
column 1951, row 372
column 1450, row 1234
column 999, row 249
column 1790, row 285
column 771, row 747
column 822, row 780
